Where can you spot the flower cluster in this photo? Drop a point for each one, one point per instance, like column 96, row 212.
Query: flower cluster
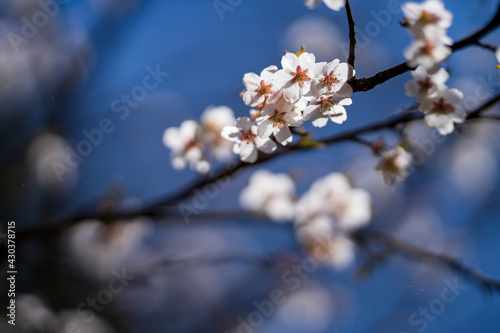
column 324, row 216
column 196, row 143
column 439, row 103
column 428, row 22
column 284, row 98
column 332, row 4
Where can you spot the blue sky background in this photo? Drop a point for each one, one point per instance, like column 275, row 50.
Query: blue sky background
column 207, row 58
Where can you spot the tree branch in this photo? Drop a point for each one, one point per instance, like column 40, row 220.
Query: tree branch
column 366, row 84
column 352, row 34
column 415, row 252
column 53, row 227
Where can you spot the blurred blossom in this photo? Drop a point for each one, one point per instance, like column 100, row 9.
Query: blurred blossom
column 309, row 309
column 71, row 321
column 187, row 147
column 319, row 36
column 349, row 207
column 326, row 214
column 47, row 157
column 425, row 14
column 473, row 168
column 270, row 194
column 428, row 21
column 213, row 120
column 33, row 64
column 321, row 239
column 33, row 315
column 100, row 248
column 196, row 143
column 394, row 164
column 332, row 4
column 424, row 84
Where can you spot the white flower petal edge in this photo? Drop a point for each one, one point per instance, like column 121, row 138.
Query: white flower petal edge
column 270, row 194
column 442, row 111
column 424, row 84
column 276, row 119
column 246, row 141
column 394, row 164
column 332, row 4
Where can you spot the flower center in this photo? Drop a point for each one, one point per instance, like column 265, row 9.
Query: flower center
column 425, row 85
column 441, row 107
column 278, row 119
column 329, row 80
column 427, row 48
column 300, row 76
column 247, row 136
column 325, row 104
column 428, row 18
column 264, row 89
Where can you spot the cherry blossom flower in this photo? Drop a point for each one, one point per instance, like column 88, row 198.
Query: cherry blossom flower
column 442, row 111
column 270, row 194
column 187, row 148
column 394, row 164
column 425, row 84
column 258, row 88
column 332, row 4
column 324, row 108
column 247, row 142
column 430, row 12
column 428, row 52
column 332, row 196
column 320, row 239
column 296, row 76
column 276, row 119
column 213, row 120
column 332, row 78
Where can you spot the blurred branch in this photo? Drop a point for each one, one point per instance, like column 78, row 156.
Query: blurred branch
column 352, row 34
column 366, row 84
column 394, row 245
column 164, row 206
column 477, row 113
column 486, row 46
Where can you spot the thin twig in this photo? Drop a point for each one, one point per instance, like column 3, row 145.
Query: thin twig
column 369, row 83
column 352, row 34
column 412, row 251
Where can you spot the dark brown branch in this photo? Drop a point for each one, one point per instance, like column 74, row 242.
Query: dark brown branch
column 488, row 104
column 53, row 227
column 366, row 84
column 58, row 224
column 352, row 34
column 394, row 245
